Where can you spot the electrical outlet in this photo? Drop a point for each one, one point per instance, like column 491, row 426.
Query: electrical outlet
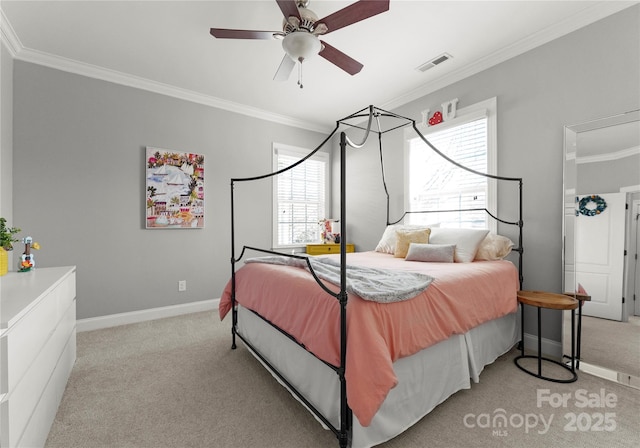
column 182, row 285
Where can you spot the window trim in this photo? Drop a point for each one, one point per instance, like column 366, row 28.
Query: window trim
column 484, row 109
column 295, row 151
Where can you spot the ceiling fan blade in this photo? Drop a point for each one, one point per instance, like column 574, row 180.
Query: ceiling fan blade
column 289, row 8
column 222, row 33
column 362, row 9
column 341, row 60
column 285, row 69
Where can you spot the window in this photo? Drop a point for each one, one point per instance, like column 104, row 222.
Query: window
column 433, row 183
column 300, row 196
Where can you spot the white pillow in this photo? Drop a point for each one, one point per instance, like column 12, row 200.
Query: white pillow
column 437, row 253
column 494, row 247
column 467, row 241
column 388, row 241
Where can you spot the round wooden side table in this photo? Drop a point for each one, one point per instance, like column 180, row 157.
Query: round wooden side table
column 540, row 299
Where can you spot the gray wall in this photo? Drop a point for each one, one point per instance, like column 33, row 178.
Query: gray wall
column 591, row 179
column 591, row 73
column 79, row 187
column 6, row 135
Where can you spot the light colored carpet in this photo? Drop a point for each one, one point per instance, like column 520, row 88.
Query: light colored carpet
column 176, row 383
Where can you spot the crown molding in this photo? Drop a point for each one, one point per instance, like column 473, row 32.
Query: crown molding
column 104, row 74
column 8, row 36
column 590, row 15
column 607, row 157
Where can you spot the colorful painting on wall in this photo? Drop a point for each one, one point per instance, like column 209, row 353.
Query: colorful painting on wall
column 175, row 189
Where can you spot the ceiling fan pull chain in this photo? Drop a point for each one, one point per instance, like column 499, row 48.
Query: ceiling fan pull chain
column 300, row 74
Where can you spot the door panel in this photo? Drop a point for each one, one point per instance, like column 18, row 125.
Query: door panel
column 599, row 257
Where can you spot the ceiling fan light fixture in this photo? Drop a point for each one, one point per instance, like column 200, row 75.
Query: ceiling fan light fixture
column 301, row 45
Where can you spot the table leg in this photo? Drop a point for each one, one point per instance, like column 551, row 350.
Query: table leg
column 573, row 340
column 539, row 343
column 579, row 332
column 522, row 329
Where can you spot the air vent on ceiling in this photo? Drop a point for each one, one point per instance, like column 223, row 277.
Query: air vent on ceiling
column 433, row 62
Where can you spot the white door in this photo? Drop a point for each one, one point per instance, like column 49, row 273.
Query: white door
column 599, row 256
column 634, row 257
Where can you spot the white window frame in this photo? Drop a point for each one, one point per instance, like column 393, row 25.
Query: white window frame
column 295, row 151
column 488, row 109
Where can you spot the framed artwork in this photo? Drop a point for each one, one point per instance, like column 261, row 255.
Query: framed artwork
column 175, row 189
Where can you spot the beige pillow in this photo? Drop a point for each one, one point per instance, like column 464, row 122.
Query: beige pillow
column 405, row 237
column 494, row 247
column 387, row 243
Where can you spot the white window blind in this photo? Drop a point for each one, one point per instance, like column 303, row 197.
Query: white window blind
column 436, row 184
column 300, row 196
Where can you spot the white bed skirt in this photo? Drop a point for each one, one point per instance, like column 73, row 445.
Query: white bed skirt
column 425, row 379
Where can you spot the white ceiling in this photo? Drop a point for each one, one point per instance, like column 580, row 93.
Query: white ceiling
column 165, row 46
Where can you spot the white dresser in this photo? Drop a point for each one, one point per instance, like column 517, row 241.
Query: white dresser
column 37, row 351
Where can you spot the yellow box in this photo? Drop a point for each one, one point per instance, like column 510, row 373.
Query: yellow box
column 4, row 262
column 323, row 249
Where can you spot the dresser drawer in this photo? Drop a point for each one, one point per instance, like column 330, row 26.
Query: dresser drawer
column 27, row 395
column 37, row 430
column 323, row 249
column 26, row 339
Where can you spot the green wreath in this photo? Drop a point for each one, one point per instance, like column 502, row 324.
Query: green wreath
column 597, row 200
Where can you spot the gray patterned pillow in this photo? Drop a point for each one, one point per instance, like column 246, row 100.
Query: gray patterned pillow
column 437, row 253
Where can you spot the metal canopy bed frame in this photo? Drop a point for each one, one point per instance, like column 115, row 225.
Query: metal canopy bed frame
column 368, row 115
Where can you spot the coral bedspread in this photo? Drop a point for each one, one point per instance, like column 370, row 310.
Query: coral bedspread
column 462, row 296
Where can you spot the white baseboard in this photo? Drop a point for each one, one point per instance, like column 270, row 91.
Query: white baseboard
column 550, row 348
column 598, row 371
column 611, row 375
column 113, row 320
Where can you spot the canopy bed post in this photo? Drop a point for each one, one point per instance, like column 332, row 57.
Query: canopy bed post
column 520, row 225
column 345, row 412
column 234, row 311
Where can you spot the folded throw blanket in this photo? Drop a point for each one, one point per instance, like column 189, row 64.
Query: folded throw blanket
column 376, row 285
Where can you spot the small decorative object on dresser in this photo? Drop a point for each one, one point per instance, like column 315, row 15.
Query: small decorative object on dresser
column 4, row 262
column 7, row 239
column 27, row 262
column 7, row 235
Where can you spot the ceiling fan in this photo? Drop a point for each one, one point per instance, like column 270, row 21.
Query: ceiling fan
column 300, row 30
